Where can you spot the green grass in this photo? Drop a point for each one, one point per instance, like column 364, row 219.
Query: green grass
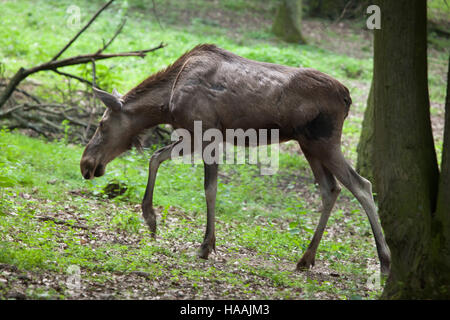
column 250, row 214
column 26, row 49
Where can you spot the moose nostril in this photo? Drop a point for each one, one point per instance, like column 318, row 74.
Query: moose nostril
column 87, row 167
column 99, row 170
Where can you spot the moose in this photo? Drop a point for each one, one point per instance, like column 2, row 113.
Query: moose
column 226, row 91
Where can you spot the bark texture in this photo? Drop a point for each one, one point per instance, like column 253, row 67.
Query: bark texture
column 364, row 162
column 287, row 24
column 405, row 164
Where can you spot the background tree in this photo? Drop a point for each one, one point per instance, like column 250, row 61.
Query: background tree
column 287, row 24
column 333, row 9
column 364, row 162
column 414, row 202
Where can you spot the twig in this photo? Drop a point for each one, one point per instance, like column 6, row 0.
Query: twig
column 94, row 77
column 119, row 30
column 25, row 93
column 26, row 125
column 6, row 113
column 343, row 12
column 68, row 75
column 85, row 58
column 53, row 65
column 94, row 105
column 28, row 106
column 156, row 14
column 82, row 30
column 28, row 95
column 57, row 221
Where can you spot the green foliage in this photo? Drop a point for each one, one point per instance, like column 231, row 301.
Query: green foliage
column 248, row 207
column 25, row 48
column 128, row 222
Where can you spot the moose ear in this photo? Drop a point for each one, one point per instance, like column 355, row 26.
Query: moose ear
column 109, row 100
column 116, row 93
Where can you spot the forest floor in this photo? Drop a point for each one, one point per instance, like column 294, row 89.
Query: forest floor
column 62, row 237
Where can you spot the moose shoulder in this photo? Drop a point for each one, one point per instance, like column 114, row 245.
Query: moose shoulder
column 226, row 91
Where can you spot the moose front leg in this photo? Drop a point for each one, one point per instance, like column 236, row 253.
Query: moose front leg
column 209, row 242
column 157, row 158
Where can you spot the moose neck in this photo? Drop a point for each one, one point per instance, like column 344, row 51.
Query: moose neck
column 150, row 108
column 149, row 101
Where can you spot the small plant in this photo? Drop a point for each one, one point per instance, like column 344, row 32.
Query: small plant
column 129, row 222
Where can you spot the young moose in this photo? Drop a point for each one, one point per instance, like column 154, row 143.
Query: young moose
column 226, row 91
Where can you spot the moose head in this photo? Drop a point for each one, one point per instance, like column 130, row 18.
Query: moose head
column 114, row 135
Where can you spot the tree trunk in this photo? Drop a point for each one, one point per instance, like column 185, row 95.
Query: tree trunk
column 444, row 183
column 440, row 246
column 405, row 165
column 287, row 23
column 364, row 162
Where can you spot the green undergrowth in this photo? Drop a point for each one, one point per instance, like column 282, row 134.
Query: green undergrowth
column 26, row 48
column 269, row 216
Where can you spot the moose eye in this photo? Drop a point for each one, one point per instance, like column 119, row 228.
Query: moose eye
column 101, row 124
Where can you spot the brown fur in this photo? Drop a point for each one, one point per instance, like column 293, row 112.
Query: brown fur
column 166, row 75
column 226, row 91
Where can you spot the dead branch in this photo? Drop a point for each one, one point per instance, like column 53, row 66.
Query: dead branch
column 54, row 63
column 48, row 119
column 62, row 222
column 119, row 30
column 82, row 30
column 156, row 14
column 25, row 93
column 68, row 75
column 22, row 123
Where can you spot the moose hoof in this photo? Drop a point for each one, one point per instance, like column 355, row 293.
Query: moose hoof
column 151, row 223
column 385, row 269
column 206, row 248
column 385, row 262
column 152, row 228
column 306, row 262
column 203, row 253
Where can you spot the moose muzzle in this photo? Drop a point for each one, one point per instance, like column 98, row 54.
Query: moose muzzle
column 91, row 168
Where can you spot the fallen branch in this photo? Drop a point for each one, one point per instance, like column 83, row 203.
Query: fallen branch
column 54, row 63
column 25, row 93
column 62, row 222
column 24, row 124
column 47, row 119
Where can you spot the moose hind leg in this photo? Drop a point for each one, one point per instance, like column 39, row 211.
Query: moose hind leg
column 157, row 158
column 361, row 188
column 209, row 242
column 330, row 190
